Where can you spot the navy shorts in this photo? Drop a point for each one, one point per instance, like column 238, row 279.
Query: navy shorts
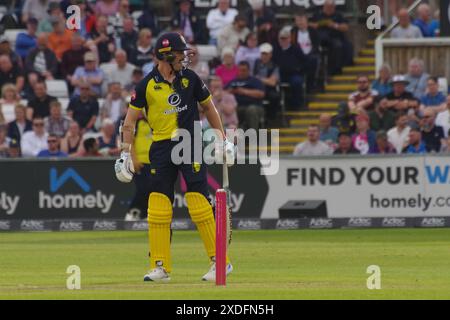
column 164, row 172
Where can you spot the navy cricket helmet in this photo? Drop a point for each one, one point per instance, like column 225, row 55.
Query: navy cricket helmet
column 167, row 43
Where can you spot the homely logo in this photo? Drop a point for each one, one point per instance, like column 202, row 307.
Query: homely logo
column 62, row 200
column 8, row 203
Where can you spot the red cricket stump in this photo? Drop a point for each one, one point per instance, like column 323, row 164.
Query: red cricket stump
column 221, row 237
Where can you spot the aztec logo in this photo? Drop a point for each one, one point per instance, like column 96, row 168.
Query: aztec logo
column 57, row 199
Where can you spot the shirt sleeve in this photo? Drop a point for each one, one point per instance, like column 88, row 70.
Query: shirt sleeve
column 138, row 97
column 201, row 92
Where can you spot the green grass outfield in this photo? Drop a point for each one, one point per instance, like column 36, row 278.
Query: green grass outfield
column 306, row 264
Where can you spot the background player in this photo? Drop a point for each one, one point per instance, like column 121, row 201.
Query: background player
column 170, row 94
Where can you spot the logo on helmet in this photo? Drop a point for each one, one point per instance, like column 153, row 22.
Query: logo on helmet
column 165, row 43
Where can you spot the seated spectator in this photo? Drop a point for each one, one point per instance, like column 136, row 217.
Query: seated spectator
column 417, row 78
column 89, row 73
column 332, row 27
column 400, row 99
column 443, row 118
column 249, row 93
column 362, row 100
column 425, row 22
column 381, row 118
column 201, row 68
column 405, row 29
column 10, row 73
column 56, row 124
column 186, row 19
column 71, row 142
column 383, row 83
column 144, row 50
column 9, row 97
column 6, row 49
column 26, row 41
column 54, row 13
column 399, row 135
column 14, row 149
column 432, row 135
column 232, row 35
column 36, row 140
column 90, row 146
column 73, row 58
column 54, row 150
column 115, row 106
column 313, row 146
column 269, row 74
column 328, row 133
column 103, row 40
column 41, row 60
column 415, row 144
column 121, row 71
column 219, row 18
column 39, row 106
column 136, row 77
column 308, row 40
column 116, row 21
column 4, row 142
column 225, row 103
column 228, row 70
column 433, row 98
column 345, row 145
column 35, row 9
column 345, row 121
column 60, row 40
column 129, row 36
column 382, row 145
column 108, row 143
column 20, row 125
column 106, row 7
column 364, row 138
column 258, row 15
column 291, row 61
column 84, row 108
column 249, row 51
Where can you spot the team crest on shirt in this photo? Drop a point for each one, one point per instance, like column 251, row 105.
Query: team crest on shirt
column 174, row 99
column 196, row 167
column 185, row 83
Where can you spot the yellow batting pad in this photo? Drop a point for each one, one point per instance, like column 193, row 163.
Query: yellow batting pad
column 202, row 215
column 159, row 219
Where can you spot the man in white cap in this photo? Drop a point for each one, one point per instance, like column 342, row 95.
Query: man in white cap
column 269, row 73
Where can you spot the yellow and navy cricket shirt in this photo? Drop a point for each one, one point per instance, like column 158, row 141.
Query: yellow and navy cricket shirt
column 170, row 106
column 143, row 141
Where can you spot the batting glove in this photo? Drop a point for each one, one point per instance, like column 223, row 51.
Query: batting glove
column 124, row 168
column 229, row 152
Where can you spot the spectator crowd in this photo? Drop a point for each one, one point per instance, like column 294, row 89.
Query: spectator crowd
column 403, row 117
column 101, row 60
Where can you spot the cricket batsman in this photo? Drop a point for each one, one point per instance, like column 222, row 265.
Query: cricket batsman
column 170, row 94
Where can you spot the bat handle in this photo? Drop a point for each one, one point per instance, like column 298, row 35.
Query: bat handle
column 225, row 182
